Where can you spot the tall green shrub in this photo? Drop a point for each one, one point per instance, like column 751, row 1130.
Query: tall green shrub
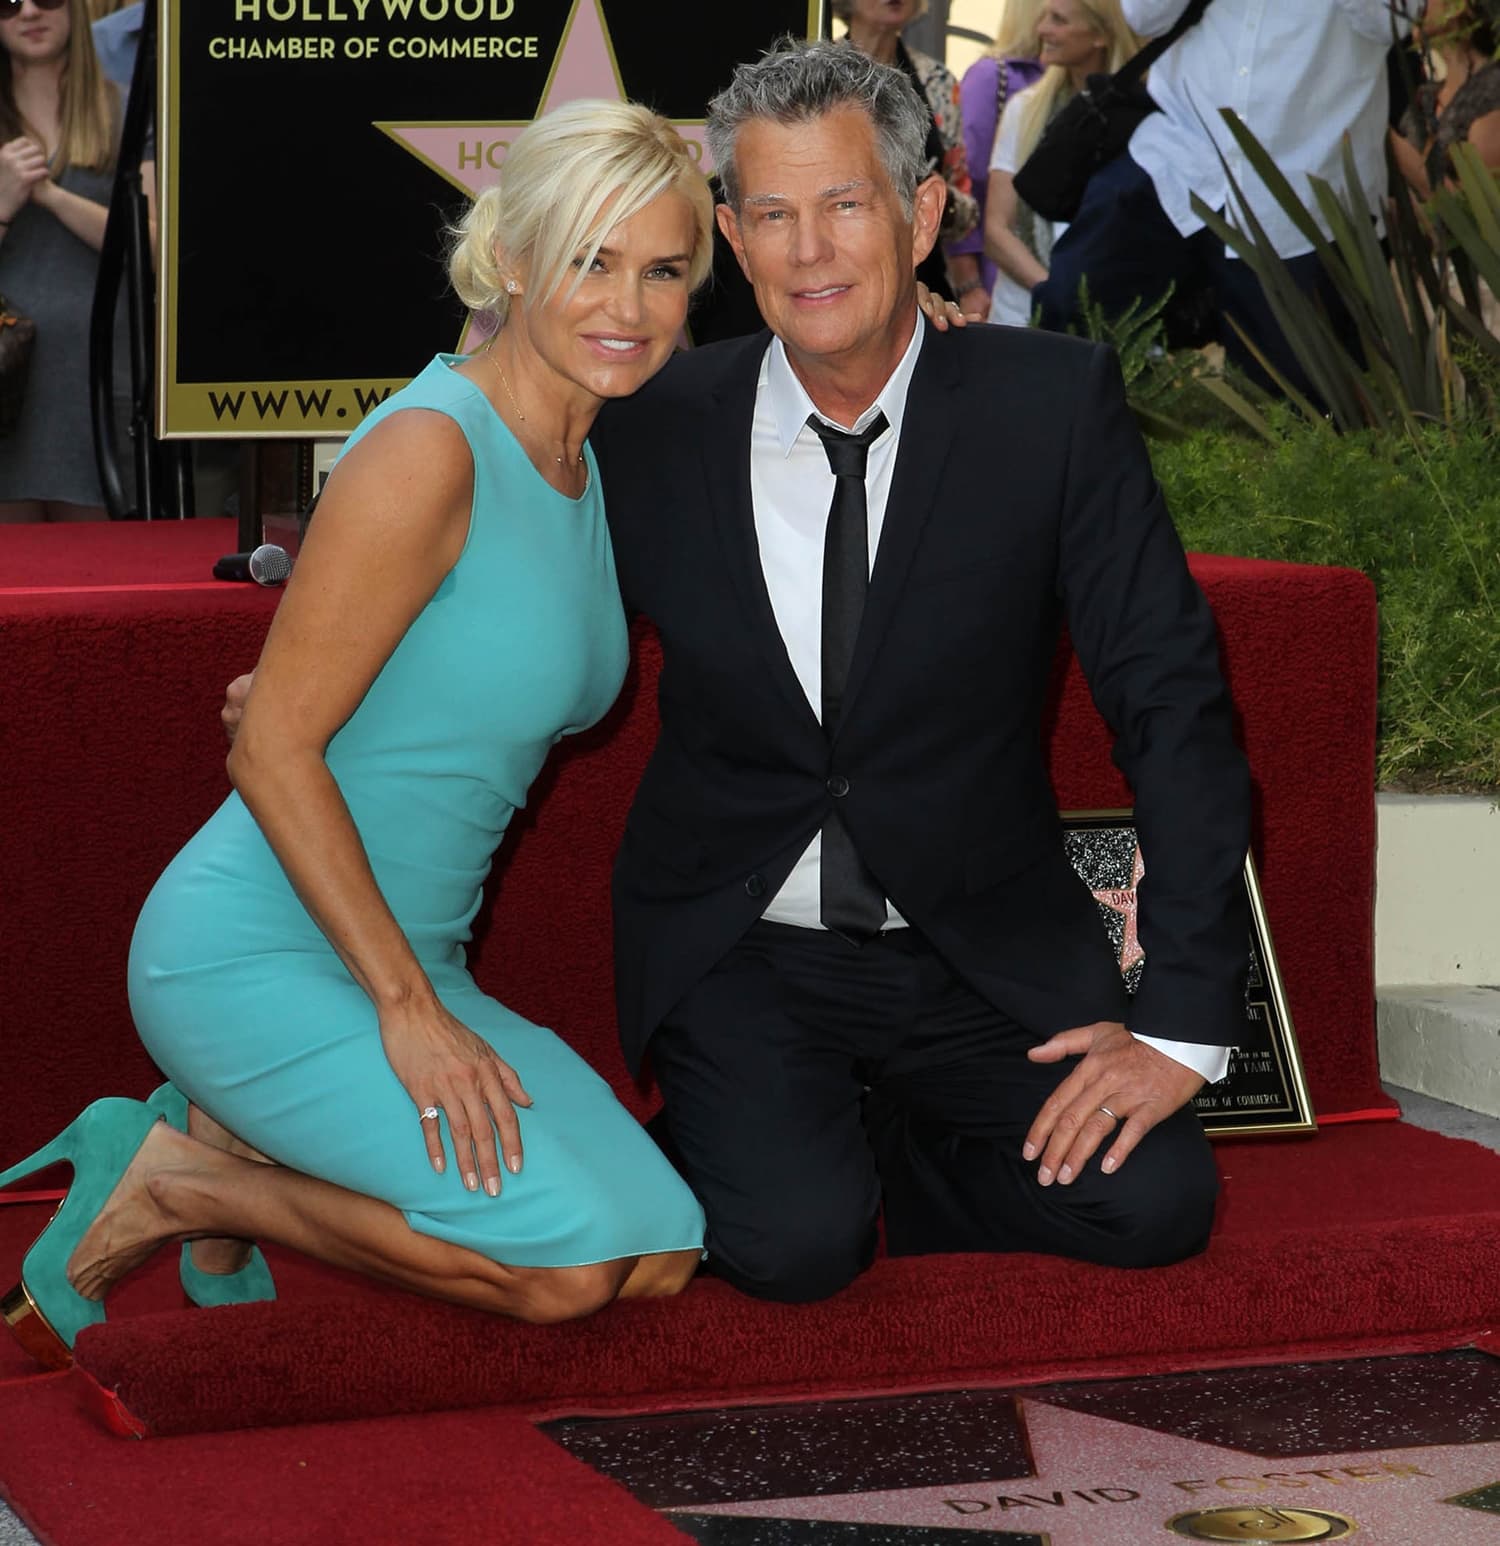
column 1420, row 514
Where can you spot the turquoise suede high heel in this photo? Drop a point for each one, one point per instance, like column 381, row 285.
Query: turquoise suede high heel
column 207, row 1289
column 44, row 1312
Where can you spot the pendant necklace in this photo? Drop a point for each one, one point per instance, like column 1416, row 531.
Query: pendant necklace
column 489, row 350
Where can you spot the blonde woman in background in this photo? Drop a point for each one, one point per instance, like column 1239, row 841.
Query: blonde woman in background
column 875, row 28
column 59, row 133
column 298, row 970
column 1004, row 71
column 1077, row 38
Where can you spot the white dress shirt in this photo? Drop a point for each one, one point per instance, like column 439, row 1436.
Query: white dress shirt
column 1300, row 73
column 791, row 490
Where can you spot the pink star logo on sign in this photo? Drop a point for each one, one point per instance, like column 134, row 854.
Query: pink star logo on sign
column 470, row 152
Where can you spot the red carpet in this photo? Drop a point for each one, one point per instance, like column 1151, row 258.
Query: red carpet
column 484, row 1477
column 115, row 553
column 1364, row 1239
column 1368, row 1239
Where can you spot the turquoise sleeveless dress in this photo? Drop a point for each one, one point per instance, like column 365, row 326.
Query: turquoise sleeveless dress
column 241, row 1000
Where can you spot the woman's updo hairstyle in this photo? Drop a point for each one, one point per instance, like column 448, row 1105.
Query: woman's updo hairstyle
column 566, row 180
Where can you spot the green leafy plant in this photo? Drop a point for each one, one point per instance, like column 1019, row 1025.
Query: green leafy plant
column 1162, row 385
column 1420, row 514
column 1403, row 307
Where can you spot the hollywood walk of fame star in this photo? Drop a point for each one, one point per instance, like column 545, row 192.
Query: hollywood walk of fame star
column 1098, row 1482
column 1124, row 901
column 470, row 152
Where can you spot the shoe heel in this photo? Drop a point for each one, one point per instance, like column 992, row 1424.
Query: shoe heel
column 30, row 1328
column 53, row 1153
column 44, row 1312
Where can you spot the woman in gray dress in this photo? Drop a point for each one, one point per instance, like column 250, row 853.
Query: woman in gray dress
column 59, row 126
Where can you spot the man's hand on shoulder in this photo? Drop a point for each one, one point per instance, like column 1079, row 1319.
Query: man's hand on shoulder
column 1121, row 1087
column 234, row 703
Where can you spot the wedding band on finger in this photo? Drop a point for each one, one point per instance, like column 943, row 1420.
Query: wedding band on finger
column 1110, row 1114
column 429, row 1114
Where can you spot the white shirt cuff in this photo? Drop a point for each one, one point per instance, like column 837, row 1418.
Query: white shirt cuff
column 1211, row 1062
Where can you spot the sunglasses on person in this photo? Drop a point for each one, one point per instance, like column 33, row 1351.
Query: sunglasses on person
column 10, row 9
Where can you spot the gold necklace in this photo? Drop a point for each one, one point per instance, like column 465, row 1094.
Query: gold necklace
column 490, row 350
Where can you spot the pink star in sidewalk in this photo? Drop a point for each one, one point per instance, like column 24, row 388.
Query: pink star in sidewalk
column 1099, row 1482
column 1124, row 902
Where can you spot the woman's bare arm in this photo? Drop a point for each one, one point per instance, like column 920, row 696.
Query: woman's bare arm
column 1001, row 244
column 391, row 523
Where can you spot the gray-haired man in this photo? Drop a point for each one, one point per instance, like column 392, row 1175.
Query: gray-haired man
column 846, row 932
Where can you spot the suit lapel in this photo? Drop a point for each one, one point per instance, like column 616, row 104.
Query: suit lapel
column 726, row 466
column 927, row 429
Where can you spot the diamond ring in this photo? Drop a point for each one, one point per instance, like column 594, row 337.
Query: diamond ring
column 429, row 1113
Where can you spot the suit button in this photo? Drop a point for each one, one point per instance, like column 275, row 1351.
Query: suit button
column 755, row 886
column 838, row 786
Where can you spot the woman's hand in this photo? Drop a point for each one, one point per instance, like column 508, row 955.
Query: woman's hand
column 23, row 164
column 441, row 1063
column 940, row 313
column 974, row 303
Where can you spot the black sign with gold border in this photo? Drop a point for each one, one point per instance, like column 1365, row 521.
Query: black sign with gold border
column 1265, row 1090
column 311, row 153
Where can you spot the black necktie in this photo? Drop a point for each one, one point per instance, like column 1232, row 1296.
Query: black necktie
column 853, row 905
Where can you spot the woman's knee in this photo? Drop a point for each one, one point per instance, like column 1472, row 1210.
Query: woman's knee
column 552, row 1294
column 661, row 1274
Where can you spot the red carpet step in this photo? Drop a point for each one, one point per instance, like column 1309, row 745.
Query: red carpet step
column 483, row 1477
column 1369, row 1239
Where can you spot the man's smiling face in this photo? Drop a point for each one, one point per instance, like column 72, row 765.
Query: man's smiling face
column 822, row 237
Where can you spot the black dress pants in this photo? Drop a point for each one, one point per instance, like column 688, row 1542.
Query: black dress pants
column 807, row 1083
column 1123, row 244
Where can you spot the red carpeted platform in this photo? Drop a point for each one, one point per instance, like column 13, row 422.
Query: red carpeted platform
column 482, row 1476
column 1379, row 1238
column 1366, row 1238
column 112, row 755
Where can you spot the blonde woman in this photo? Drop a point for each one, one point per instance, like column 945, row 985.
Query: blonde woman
column 1077, row 38
column 59, row 124
column 1003, row 71
column 299, row 969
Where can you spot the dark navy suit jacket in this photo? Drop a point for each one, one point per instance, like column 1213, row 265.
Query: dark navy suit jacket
column 1043, row 511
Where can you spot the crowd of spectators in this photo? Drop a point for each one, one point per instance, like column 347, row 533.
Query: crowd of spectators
column 1304, row 78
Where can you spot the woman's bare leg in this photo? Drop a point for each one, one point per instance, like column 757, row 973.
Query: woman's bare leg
column 177, row 1188
column 221, row 1254
column 660, row 1274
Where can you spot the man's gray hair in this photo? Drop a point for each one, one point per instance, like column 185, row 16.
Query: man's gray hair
column 797, row 82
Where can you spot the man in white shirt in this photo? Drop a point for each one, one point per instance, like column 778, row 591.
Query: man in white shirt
column 847, row 936
column 1302, row 75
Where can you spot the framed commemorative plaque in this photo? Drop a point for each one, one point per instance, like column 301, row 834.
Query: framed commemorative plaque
column 312, row 153
column 1265, row 1090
